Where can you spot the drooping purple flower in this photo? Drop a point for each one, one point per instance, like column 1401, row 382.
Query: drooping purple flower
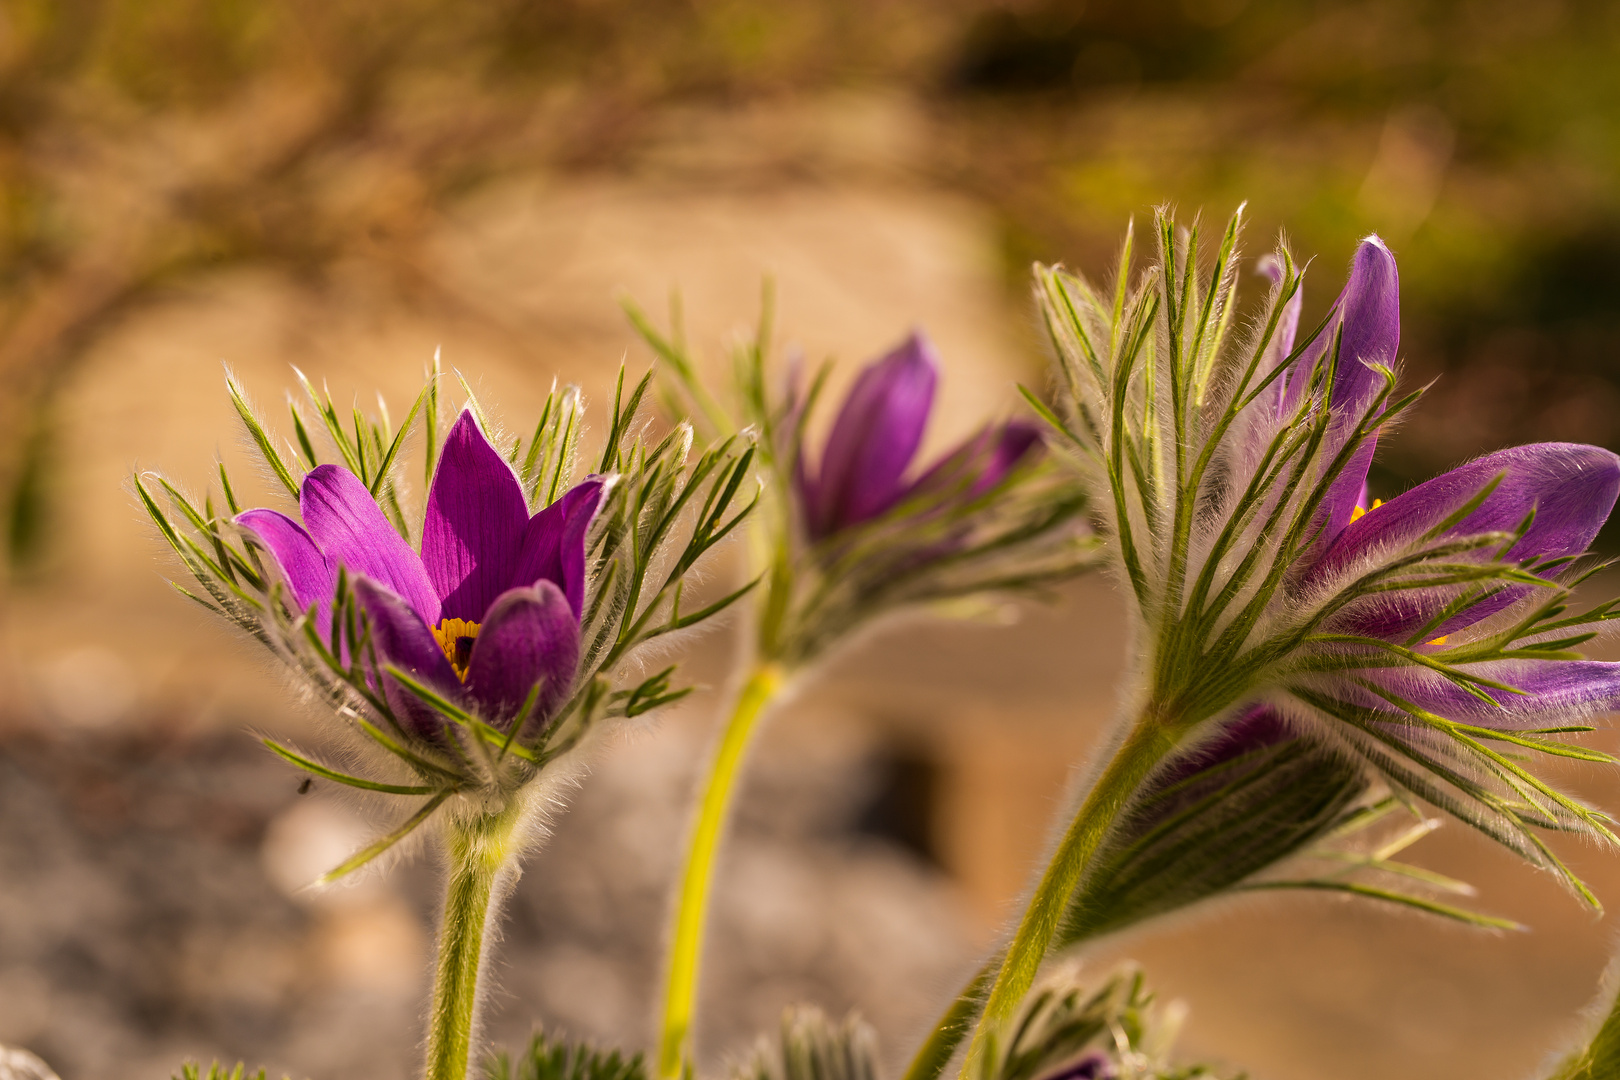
column 1296, row 635
column 1256, row 791
column 875, row 437
column 488, row 610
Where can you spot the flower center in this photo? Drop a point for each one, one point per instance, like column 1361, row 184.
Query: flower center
column 456, row 637
column 1362, row 511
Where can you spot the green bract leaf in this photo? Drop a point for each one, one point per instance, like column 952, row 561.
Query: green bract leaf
column 550, row 1058
column 1116, row 1025
column 216, row 1071
column 1212, row 830
column 811, row 1047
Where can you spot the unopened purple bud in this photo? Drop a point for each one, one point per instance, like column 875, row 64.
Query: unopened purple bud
column 876, row 435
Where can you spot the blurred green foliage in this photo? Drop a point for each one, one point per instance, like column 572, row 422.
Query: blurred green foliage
column 142, row 141
column 1480, row 138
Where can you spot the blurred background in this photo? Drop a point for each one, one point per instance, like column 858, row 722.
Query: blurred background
column 349, row 185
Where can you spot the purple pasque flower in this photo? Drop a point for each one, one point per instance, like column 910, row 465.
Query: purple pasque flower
column 861, row 475
column 489, row 608
column 1429, row 634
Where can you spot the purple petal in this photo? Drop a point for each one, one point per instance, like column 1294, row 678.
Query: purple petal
column 530, row 636
column 1282, row 340
column 1256, row 728
column 1016, row 440
column 402, row 639
column 1566, row 689
column 874, row 439
column 474, row 526
column 1570, row 487
column 345, row 521
column 553, row 547
column 1369, row 313
column 980, row 462
column 1348, row 491
column 1369, row 310
column 309, row 574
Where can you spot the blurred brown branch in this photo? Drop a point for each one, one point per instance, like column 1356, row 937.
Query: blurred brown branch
column 143, row 142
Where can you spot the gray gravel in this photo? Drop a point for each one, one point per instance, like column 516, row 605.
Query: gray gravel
column 149, row 915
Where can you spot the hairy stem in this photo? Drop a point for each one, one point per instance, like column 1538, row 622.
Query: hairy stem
column 479, row 851
column 942, row 1042
column 686, row 940
column 1150, row 739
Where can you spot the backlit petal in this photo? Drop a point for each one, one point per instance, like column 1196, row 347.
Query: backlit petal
column 349, row 527
column 474, row 525
column 553, row 547
column 1570, row 487
column 1282, row 339
column 980, row 462
column 529, row 637
column 1369, row 312
column 403, row 640
column 1369, row 316
column 309, row 574
column 874, row 439
column 1564, row 690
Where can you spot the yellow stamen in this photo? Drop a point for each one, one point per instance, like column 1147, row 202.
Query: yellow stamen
column 1441, row 640
column 1361, row 511
column 456, row 637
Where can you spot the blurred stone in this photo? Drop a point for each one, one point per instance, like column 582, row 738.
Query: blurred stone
column 21, row 1065
column 153, row 911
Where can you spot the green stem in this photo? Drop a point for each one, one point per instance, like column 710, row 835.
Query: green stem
column 1148, row 742
column 479, row 851
column 686, row 942
column 952, row 1028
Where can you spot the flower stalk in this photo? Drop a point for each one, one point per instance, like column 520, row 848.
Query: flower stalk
column 850, row 534
column 957, row 1023
column 692, row 906
column 480, row 854
column 1150, row 740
